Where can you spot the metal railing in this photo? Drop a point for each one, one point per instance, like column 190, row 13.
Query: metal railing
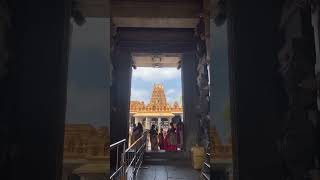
column 116, row 147
column 131, row 158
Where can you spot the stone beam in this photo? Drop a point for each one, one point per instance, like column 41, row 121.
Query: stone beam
column 154, row 47
column 158, row 14
column 155, row 9
column 95, row 8
column 155, row 22
column 156, row 40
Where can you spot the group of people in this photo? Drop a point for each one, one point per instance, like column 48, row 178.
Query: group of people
column 169, row 142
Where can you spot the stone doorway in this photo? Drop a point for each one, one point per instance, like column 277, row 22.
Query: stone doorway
column 161, row 103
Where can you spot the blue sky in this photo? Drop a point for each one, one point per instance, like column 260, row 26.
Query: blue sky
column 143, row 80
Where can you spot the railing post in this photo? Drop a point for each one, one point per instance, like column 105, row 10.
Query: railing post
column 123, row 175
column 117, row 166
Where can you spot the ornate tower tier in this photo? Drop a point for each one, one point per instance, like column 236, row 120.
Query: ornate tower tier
column 158, row 111
column 158, row 97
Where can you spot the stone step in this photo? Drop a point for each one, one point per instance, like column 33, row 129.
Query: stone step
column 165, row 155
column 162, row 157
column 147, row 162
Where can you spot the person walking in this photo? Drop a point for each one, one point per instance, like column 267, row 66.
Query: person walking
column 153, row 138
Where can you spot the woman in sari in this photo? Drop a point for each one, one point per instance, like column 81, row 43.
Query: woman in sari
column 161, row 139
column 172, row 138
column 154, row 138
column 140, row 130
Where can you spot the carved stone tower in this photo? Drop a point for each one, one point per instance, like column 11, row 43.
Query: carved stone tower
column 158, row 97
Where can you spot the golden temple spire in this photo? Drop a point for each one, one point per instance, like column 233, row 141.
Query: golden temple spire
column 158, row 96
column 158, row 103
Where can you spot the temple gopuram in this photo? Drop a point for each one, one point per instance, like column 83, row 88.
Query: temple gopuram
column 157, row 112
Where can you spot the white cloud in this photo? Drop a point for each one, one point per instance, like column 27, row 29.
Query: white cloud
column 175, row 96
column 140, row 95
column 156, row 74
column 171, row 91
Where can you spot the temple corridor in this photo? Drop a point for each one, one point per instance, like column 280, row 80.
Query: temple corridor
column 250, row 76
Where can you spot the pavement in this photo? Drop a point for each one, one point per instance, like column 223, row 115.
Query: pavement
column 172, row 171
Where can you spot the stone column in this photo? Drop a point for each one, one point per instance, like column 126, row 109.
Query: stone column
column 192, row 126
column 257, row 98
column 120, row 99
column 159, row 122
column 170, row 119
column 120, row 95
column 33, row 95
column 147, row 123
column 202, row 83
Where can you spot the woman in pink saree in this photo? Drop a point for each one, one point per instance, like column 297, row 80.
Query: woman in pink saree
column 171, row 139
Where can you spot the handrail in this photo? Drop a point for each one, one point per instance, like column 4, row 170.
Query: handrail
column 135, row 142
column 117, row 143
column 131, row 158
column 119, row 165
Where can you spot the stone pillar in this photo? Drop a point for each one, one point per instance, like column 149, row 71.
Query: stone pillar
column 202, row 83
column 7, row 123
column 170, row 119
column 120, row 93
column 159, row 122
column 33, row 95
column 191, row 125
column 120, row 99
column 257, row 98
column 297, row 54
column 147, row 123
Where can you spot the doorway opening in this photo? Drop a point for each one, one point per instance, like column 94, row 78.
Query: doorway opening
column 156, row 107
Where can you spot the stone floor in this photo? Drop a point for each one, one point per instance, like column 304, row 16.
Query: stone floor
column 181, row 171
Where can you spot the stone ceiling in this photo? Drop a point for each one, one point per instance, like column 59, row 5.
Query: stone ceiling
column 156, row 60
column 145, row 13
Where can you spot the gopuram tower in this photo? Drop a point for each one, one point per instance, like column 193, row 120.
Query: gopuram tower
column 157, row 112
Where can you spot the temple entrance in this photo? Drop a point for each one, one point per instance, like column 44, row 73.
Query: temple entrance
column 156, row 108
column 274, row 115
column 173, row 51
